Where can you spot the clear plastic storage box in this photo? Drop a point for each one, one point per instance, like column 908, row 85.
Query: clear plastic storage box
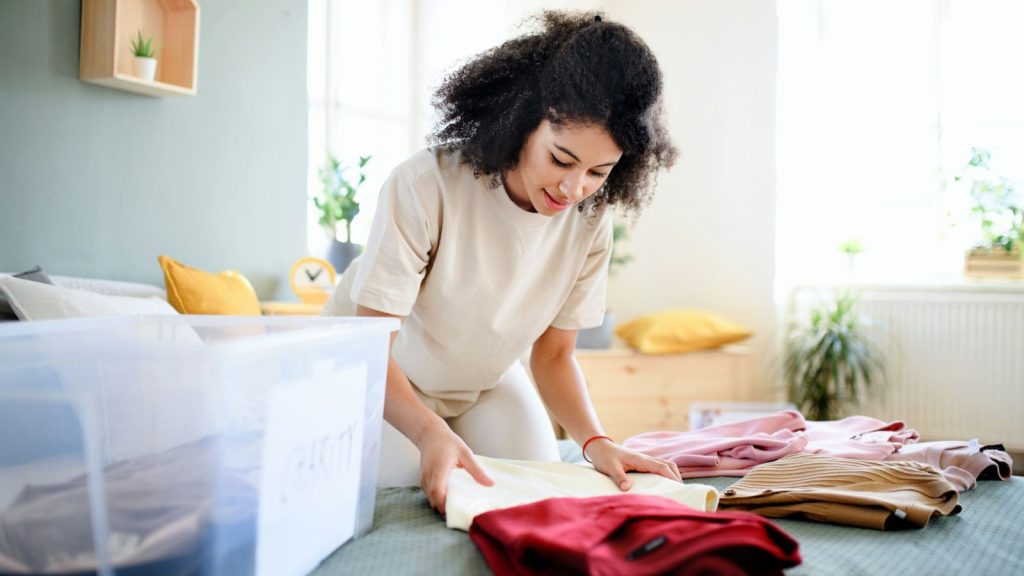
column 187, row 444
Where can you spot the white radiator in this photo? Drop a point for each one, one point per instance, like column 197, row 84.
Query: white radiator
column 954, row 356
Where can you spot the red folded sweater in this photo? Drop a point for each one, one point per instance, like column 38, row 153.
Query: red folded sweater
column 629, row 534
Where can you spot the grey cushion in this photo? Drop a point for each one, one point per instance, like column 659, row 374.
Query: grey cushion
column 36, row 275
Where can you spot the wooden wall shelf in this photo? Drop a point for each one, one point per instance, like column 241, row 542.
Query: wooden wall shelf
column 108, row 27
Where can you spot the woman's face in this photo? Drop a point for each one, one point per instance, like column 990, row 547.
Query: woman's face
column 560, row 166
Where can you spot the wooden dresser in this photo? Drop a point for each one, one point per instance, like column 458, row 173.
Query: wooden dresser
column 636, row 393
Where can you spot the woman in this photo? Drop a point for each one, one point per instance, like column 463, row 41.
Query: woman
column 496, row 241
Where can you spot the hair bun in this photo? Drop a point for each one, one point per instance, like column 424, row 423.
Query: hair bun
column 597, row 18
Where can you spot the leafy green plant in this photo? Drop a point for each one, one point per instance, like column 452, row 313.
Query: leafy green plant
column 851, row 247
column 337, row 199
column 829, row 362
column 143, row 47
column 997, row 205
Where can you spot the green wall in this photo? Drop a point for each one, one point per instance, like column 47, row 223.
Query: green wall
column 97, row 182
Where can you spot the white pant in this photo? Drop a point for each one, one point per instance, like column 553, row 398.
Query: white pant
column 508, row 421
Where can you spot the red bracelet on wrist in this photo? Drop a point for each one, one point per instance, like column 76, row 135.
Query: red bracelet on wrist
column 589, row 440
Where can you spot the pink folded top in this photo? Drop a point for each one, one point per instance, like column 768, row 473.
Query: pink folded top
column 858, row 438
column 962, row 463
column 732, row 449
column 726, row 449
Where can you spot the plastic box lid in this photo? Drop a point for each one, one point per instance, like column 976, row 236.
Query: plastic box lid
column 704, row 414
column 188, row 443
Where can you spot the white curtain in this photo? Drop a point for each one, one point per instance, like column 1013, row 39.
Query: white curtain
column 879, row 103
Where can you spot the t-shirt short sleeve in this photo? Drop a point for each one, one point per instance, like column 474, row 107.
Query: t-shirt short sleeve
column 585, row 306
column 401, row 242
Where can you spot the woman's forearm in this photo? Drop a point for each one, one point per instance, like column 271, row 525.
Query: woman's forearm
column 564, row 390
column 402, row 407
column 404, row 410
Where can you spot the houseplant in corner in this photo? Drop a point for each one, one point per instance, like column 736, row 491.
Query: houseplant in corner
column 1000, row 210
column 337, row 204
column 829, row 362
column 601, row 336
column 145, row 57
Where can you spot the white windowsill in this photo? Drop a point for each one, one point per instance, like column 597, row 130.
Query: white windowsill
column 927, row 284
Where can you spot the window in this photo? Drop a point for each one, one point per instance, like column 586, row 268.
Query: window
column 360, row 95
column 372, row 68
column 879, row 104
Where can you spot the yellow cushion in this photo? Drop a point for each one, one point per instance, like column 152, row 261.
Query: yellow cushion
column 676, row 331
column 195, row 291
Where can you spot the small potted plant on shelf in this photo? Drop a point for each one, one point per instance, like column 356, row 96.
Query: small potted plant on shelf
column 145, row 57
column 337, row 204
column 1000, row 210
column 829, row 362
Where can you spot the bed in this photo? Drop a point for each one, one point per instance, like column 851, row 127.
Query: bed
column 987, row 537
column 408, row 538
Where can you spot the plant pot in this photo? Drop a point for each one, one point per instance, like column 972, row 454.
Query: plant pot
column 341, row 254
column 145, row 68
column 997, row 263
column 599, row 337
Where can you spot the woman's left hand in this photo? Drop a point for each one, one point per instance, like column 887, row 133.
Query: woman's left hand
column 615, row 461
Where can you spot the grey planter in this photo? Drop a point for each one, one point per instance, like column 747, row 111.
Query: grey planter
column 341, row 254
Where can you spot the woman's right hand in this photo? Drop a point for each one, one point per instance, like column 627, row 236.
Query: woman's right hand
column 441, row 450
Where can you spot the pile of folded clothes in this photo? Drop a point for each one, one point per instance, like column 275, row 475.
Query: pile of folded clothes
column 562, row 518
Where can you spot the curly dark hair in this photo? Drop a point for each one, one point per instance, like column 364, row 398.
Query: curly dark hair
column 578, row 68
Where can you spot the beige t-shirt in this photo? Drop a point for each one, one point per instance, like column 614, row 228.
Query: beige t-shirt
column 478, row 277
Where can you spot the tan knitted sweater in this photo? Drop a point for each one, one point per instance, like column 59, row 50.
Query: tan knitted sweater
column 879, row 495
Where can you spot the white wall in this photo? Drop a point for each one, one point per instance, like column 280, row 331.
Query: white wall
column 706, row 241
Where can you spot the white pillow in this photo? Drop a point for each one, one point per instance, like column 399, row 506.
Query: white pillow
column 36, row 301
column 109, row 287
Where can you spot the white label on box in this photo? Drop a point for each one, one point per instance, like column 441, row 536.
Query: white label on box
column 311, row 468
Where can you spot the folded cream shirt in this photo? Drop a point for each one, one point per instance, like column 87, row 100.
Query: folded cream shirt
column 518, row 482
